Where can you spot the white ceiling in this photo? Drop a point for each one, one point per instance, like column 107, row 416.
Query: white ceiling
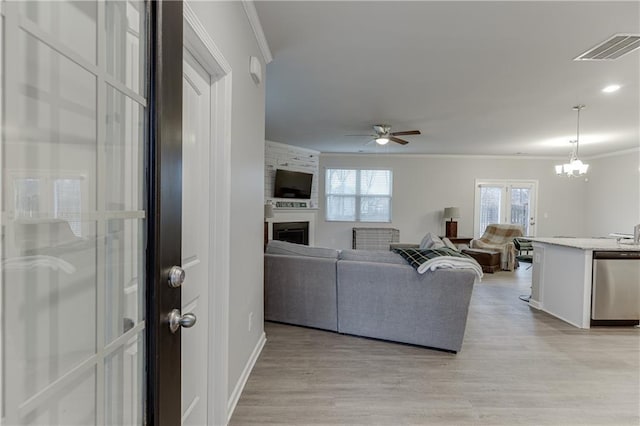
column 494, row 78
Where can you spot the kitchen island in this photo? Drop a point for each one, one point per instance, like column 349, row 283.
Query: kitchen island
column 562, row 280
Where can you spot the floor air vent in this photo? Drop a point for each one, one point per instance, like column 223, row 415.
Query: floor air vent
column 612, row 48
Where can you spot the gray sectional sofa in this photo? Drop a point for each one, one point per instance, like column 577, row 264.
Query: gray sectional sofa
column 366, row 293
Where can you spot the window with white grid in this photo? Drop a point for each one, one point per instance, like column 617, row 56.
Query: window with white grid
column 354, row 195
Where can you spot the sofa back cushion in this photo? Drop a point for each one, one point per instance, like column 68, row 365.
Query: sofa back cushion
column 286, row 248
column 377, row 256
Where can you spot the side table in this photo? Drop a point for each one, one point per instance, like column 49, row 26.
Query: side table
column 458, row 240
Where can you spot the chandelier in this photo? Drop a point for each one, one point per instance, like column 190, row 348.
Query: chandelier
column 574, row 167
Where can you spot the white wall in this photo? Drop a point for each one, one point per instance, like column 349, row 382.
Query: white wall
column 613, row 194
column 227, row 24
column 424, row 185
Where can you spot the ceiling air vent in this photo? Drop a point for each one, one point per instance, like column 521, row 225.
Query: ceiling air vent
column 612, row 48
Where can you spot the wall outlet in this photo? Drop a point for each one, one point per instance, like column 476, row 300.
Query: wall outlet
column 250, row 321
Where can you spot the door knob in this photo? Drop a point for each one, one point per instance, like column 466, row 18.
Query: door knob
column 176, row 276
column 176, row 320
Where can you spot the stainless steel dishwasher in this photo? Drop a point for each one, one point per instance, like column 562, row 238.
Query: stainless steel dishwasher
column 615, row 297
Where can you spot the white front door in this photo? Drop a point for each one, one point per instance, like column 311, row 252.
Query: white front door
column 505, row 201
column 196, row 218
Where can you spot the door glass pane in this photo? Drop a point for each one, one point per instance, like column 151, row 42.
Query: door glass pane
column 490, row 205
column 124, row 276
column 124, row 152
column 49, row 282
column 124, row 381
column 126, row 33
column 67, row 202
column 27, row 196
column 63, row 21
column 75, row 405
column 49, row 272
column 520, row 208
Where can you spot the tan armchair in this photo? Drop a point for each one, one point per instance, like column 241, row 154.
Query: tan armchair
column 500, row 237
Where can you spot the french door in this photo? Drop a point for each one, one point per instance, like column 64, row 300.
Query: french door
column 91, row 136
column 505, row 201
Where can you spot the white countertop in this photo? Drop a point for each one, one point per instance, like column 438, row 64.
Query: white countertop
column 607, row 244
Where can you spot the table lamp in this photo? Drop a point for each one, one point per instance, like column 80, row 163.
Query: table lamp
column 451, row 228
column 268, row 210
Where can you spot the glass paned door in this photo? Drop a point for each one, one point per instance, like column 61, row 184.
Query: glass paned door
column 491, row 205
column 505, row 201
column 73, row 212
column 521, row 201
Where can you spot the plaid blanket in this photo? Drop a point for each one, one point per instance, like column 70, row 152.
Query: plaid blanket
column 500, row 237
column 431, row 259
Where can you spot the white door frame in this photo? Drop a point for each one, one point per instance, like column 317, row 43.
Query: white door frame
column 505, row 183
column 198, row 42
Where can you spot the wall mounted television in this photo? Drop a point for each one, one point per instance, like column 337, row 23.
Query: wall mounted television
column 290, row 184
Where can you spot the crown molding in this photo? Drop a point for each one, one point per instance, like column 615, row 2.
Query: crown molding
column 254, row 20
column 613, row 154
column 453, row 156
column 472, row 156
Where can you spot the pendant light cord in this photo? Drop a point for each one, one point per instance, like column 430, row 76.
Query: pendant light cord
column 578, row 108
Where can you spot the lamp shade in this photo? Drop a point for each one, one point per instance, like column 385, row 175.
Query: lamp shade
column 451, row 212
column 268, row 211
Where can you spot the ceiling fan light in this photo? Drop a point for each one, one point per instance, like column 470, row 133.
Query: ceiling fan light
column 611, row 88
column 382, row 141
column 559, row 169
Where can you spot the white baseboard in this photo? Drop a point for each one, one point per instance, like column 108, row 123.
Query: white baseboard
column 535, row 304
column 242, row 381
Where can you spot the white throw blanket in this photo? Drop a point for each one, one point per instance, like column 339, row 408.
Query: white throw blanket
column 451, row 262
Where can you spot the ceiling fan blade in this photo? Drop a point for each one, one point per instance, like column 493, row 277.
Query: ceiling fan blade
column 398, row 140
column 406, row 132
column 371, row 136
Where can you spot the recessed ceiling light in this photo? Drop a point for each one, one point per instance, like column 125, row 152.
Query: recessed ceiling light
column 611, row 88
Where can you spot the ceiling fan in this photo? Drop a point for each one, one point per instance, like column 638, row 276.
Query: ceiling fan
column 383, row 135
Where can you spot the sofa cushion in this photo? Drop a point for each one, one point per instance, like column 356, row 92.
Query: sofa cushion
column 372, row 256
column 291, row 249
column 431, row 242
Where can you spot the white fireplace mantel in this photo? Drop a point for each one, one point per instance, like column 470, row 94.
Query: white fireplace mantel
column 294, row 215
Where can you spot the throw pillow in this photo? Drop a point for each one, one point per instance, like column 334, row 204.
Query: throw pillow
column 431, row 242
column 447, row 242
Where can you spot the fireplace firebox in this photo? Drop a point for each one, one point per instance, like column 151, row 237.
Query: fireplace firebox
column 293, row 232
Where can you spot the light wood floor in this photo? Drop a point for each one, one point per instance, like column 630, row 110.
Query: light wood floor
column 517, row 366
